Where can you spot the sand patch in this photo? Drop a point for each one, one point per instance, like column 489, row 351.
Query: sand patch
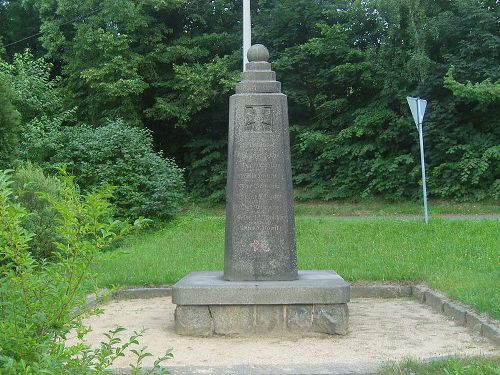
column 380, row 330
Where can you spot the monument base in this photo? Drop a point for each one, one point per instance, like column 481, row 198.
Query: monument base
column 208, row 305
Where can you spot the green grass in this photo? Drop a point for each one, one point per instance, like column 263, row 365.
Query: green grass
column 453, row 366
column 384, row 208
column 372, row 208
column 461, row 258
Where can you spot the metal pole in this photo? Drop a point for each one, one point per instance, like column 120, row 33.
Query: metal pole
column 422, row 159
column 247, row 31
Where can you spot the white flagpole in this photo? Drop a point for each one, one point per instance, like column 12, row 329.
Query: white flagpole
column 247, row 33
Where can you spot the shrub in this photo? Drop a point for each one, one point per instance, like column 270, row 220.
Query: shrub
column 207, row 171
column 146, row 183
column 29, row 182
column 40, row 303
column 9, row 124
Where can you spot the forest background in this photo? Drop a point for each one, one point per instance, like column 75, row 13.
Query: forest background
column 77, row 77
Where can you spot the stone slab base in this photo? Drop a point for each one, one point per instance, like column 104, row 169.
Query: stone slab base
column 209, row 305
column 234, row 320
column 311, row 288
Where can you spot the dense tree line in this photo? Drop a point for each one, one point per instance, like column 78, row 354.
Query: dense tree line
column 346, row 65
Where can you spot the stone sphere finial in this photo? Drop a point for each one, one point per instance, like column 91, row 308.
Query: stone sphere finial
column 258, row 53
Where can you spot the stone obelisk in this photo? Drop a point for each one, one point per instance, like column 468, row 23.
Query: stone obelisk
column 260, row 234
column 260, row 290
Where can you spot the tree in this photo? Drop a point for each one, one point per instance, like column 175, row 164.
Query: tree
column 9, row 124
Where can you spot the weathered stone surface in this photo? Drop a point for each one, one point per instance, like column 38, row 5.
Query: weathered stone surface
column 233, row 319
column 263, row 87
column 312, row 287
column 473, row 322
column 193, row 321
column 299, row 318
column 258, row 52
column 260, row 233
column 418, row 292
column 380, row 291
column 252, row 75
column 269, row 318
column 331, row 319
column 491, row 331
column 434, row 300
column 454, row 311
column 142, row 293
column 244, row 320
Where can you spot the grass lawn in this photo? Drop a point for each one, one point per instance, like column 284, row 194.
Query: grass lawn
column 461, row 258
column 374, row 208
column 453, row 366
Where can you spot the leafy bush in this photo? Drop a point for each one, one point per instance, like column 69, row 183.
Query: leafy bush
column 40, row 303
column 146, row 183
column 9, row 124
column 208, row 171
column 30, row 188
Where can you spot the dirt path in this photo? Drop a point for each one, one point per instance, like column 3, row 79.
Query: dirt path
column 380, row 330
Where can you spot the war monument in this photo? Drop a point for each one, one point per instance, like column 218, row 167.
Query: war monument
column 261, row 290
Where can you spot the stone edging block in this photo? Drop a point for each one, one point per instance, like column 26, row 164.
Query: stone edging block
column 141, row 293
column 459, row 312
column 380, row 291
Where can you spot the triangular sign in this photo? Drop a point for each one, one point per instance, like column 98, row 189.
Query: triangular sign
column 417, row 107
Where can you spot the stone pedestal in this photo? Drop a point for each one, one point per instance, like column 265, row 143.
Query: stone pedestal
column 209, row 305
column 260, row 291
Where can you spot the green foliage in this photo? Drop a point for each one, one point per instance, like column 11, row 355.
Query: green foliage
column 352, row 135
column 18, row 21
column 30, row 187
column 41, row 303
column 345, row 65
column 145, row 183
column 196, row 87
column 484, row 92
column 207, row 173
column 40, row 102
column 36, row 94
column 9, row 124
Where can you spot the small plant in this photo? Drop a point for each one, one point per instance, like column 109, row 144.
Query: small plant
column 97, row 361
column 41, row 302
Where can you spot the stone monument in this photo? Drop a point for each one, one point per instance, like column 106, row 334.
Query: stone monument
column 261, row 290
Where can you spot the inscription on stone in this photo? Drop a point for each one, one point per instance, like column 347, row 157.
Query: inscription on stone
column 258, row 118
column 260, row 233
